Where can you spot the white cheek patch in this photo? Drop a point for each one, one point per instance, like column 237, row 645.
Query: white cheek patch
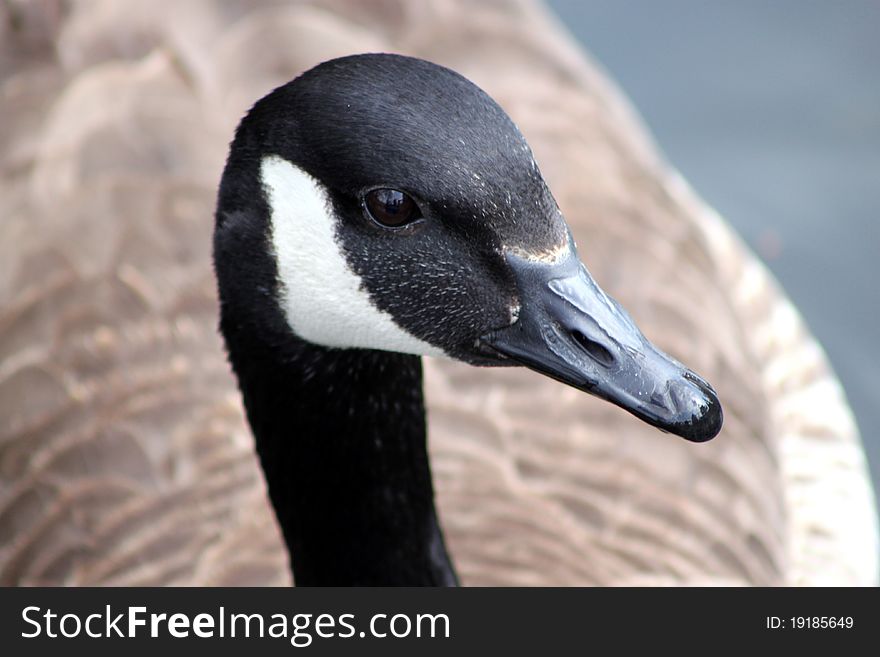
column 322, row 298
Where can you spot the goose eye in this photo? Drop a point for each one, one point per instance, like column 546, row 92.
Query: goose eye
column 391, row 207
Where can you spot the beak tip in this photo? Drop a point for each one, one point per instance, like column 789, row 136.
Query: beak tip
column 703, row 428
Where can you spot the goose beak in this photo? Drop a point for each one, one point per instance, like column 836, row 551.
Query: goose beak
column 570, row 330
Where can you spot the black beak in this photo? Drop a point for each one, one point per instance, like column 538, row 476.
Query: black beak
column 570, row 330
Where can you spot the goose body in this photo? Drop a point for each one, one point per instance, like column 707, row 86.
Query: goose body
column 125, row 457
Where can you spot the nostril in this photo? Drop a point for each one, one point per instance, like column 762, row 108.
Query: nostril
column 596, row 350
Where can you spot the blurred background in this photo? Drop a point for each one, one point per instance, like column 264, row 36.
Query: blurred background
column 771, row 111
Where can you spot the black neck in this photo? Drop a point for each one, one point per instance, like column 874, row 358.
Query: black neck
column 342, row 440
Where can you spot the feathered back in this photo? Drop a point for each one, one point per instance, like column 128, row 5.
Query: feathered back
column 124, row 456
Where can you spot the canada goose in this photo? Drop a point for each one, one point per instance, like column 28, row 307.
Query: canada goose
column 124, row 456
column 377, row 204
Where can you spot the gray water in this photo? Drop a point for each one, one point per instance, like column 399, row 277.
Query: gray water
column 771, row 110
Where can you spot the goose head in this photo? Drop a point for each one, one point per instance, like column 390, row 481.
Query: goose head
column 383, row 202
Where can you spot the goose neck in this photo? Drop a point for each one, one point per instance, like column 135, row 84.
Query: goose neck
column 341, row 436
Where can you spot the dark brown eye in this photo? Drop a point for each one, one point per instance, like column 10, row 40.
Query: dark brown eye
column 391, row 207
